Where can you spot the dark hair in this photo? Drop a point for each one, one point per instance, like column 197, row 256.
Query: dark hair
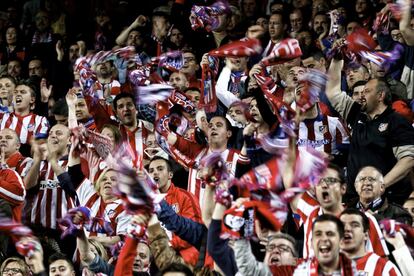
column 169, row 166
column 121, row 96
column 192, row 88
column 29, row 83
column 358, row 83
column 177, row 267
column 382, row 86
column 317, row 55
column 282, row 15
column 364, row 218
column 59, row 256
column 339, row 170
column 60, row 108
column 328, row 217
column 228, row 124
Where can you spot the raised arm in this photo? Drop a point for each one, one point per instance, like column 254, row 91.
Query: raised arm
column 123, row 36
column 405, row 27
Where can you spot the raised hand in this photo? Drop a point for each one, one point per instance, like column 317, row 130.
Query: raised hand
column 45, row 91
column 59, row 50
column 71, row 98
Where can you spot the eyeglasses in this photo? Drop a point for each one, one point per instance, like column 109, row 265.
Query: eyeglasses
column 329, row 181
column 369, row 178
column 12, row 271
column 282, row 248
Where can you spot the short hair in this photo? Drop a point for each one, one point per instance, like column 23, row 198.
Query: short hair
column 382, row 86
column 358, row 83
column 21, row 262
column 282, row 15
column 14, row 133
column 287, row 237
column 9, row 78
column 228, row 124
column 29, row 83
column 332, row 218
column 192, row 88
column 317, row 55
column 59, row 256
column 169, row 166
column 339, row 170
column 364, row 218
column 121, row 96
column 177, row 267
column 60, row 108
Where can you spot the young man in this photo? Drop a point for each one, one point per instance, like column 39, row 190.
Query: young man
column 183, row 203
column 356, row 225
column 329, row 192
column 277, row 29
column 60, row 265
column 219, row 132
column 327, row 232
column 134, row 131
column 22, row 120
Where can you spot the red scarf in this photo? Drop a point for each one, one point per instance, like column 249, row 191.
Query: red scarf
column 347, row 267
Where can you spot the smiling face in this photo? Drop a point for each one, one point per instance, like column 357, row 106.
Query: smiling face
column 9, row 142
column 355, row 236
column 14, row 69
column 81, row 109
column 126, row 111
column 23, row 98
column 279, row 251
column 58, row 139
column 179, row 81
column 325, row 243
column 329, row 190
column 369, row 184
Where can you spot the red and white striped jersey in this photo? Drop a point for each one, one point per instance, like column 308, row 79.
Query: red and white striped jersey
column 373, row 265
column 50, row 202
column 231, row 157
column 25, row 126
column 112, row 212
column 323, row 134
column 137, row 141
column 376, row 242
column 114, row 86
column 19, row 163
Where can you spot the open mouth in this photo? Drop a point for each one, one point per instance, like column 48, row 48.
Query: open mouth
column 18, row 100
column 156, row 179
column 325, row 196
column 274, row 260
column 347, row 238
column 325, row 249
column 54, row 141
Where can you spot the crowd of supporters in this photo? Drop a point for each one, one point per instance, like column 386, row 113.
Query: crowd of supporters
column 247, row 137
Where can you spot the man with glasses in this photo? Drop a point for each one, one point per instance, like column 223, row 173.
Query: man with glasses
column 327, row 199
column 370, row 187
column 280, row 251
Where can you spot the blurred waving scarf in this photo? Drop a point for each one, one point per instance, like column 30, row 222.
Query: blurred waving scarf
column 206, row 17
column 239, row 222
column 240, row 48
column 101, row 143
column 208, row 99
column 287, row 49
column 391, row 227
column 153, row 93
column 172, row 61
column 314, row 83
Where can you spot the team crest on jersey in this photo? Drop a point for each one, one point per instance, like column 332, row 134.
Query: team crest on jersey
column 323, row 129
column 176, row 208
column 111, row 213
column 383, row 127
column 30, row 127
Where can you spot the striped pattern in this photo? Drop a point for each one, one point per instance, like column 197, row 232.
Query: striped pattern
column 50, row 203
column 112, row 212
column 323, row 135
column 373, row 265
column 26, row 127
